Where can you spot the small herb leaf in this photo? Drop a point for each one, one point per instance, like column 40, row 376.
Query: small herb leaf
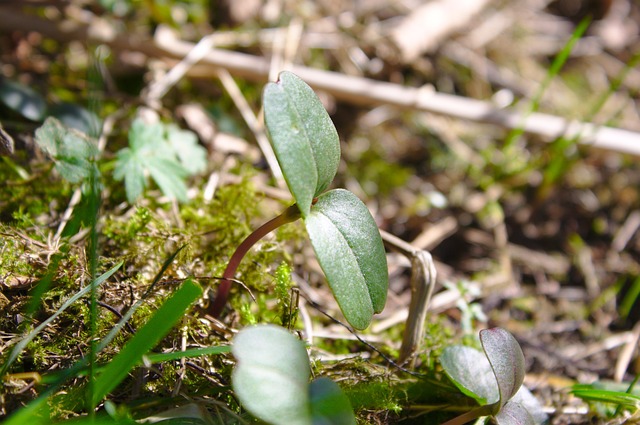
column 164, row 152
column 304, row 139
column 507, row 360
column 272, row 376
column 350, row 251
column 72, row 151
column 471, row 372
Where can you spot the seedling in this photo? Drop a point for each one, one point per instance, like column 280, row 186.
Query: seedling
column 343, row 233
column 271, row 381
column 165, row 152
column 494, row 380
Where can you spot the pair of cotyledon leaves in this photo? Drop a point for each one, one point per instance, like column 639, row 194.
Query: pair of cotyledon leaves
column 341, row 229
column 494, row 378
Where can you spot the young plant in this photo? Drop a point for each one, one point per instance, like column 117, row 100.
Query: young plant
column 343, row 233
column 494, row 380
column 271, row 381
column 166, row 153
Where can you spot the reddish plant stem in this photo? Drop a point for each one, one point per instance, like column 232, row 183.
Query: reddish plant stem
column 290, row 214
column 485, row 410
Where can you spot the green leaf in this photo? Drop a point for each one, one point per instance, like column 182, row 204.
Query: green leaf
column 184, row 144
column 151, row 154
column 37, row 412
column 149, row 137
column 169, row 176
column 329, row 405
column 304, row 139
column 349, row 248
column 146, row 338
column 471, row 372
column 23, row 100
column 606, row 396
column 272, row 375
column 130, row 167
column 507, row 360
column 192, row 352
column 474, row 373
column 514, row 413
column 72, row 151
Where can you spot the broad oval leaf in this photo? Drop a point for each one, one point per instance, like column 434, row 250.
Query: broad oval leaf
column 470, row 370
column 23, row 99
column 272, row 376
column 304, row 139
column 350, row 251
column 329, row 405
column 507, row 361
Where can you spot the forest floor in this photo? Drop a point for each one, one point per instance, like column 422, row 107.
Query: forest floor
column 455, row 132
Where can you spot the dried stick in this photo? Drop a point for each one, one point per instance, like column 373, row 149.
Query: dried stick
column 252, row 121
column 346, row 88
column 423, row 279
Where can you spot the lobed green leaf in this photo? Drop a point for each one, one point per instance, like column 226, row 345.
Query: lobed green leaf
column 167, row 156
column 304, row 139
column 349, row 248
column 72, row 151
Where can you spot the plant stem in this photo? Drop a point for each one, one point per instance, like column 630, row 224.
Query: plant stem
column 485, row 410
column 289, row 215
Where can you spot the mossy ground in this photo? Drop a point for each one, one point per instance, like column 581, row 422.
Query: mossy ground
column 561, row 207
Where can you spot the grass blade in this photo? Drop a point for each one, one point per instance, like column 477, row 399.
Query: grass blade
column 177, row 355
column 146, row 338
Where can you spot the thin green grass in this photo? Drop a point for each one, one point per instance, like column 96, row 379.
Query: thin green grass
column 145, row 339
column 558, row 63
column 19, row 347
